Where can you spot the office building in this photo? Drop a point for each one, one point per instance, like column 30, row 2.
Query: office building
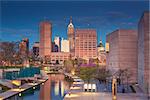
column 45, row 39
column 144, row 53
column 59, row 57
column 57, row 41
column 65, row 45
column 122, row 52
column 85, row 43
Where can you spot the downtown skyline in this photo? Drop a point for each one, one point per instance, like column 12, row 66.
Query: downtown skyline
column 21, row 19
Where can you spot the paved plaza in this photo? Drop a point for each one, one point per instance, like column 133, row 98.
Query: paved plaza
column 103, row 96
column 77, row 93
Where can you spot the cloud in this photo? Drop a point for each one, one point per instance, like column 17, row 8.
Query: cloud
column 116, row 14
column 14, row 32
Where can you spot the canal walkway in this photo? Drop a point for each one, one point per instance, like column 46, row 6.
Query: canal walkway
column 17, row 91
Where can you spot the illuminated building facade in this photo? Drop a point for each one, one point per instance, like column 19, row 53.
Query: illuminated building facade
column 71, row 37
column 101, row 54
column 59, row 57
column 85, row 43
column 45, row 39
column 65, row 45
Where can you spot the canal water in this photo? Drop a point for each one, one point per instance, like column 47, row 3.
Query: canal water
column 53, row 89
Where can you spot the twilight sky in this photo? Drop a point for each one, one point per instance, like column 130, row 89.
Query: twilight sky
column 20, row 19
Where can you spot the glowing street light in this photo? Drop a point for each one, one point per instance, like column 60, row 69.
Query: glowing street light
column 73, row 72
column 19, row 94
column 114, row 89
column 33, row 87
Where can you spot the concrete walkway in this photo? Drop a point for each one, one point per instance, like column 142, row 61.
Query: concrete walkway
column 76, row 93
column 102, row 96
column 15, row 91
column 77, row 85
column 6, row 83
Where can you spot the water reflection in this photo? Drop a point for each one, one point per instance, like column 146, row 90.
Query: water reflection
column 54, row 88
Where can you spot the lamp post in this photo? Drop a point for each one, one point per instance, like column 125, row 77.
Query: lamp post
column 114, row 89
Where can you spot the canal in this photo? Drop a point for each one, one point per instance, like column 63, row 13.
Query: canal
column 53, row 89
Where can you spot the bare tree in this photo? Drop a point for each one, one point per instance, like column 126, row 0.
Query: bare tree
column 9, row 52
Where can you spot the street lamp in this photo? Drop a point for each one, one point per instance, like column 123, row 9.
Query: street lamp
column 114, row 89
column 73, row 72
column 19, row 94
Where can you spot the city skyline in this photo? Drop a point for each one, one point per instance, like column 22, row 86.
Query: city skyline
column 105, row 17
column 63, row 50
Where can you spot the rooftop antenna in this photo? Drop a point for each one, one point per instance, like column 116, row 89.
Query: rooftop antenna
column 70, row 19
column 100, row 38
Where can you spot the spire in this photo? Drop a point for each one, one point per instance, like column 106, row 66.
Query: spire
column 70, row 19
column 70, row 24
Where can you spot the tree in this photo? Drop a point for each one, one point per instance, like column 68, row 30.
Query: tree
column 124, row 76
column 68, row 65
column 96, row 61
column 87, row 73
column 9, row 52
column 127, row 76
column 102, row 75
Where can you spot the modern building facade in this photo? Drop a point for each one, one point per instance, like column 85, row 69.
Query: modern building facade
column 85, row 43
column 144, row 53
column 45, row 39
column 71, row 37
column 57, row 41
column 122, row 52
column 54, row 47
column 65, row 45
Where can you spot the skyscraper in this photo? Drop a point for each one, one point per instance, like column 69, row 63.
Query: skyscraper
column 45, row 39
column 71, row 37
column 144, row 53
column 85, row 43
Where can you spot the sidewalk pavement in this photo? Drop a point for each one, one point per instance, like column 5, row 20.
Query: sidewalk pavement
column 103, row 96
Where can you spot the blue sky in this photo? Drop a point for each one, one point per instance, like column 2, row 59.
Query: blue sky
column 20, row 19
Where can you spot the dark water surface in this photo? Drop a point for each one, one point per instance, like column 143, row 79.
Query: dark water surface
column 54, row 89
